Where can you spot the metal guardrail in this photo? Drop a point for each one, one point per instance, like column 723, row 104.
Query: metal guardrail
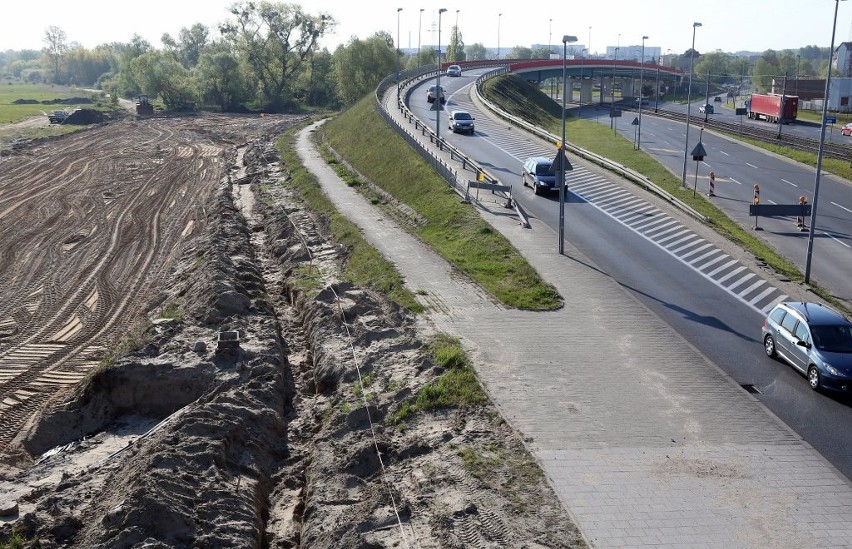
column 451, row 176
column 606, row 163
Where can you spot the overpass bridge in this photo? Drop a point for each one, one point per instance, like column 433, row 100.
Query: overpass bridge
column 605, row 75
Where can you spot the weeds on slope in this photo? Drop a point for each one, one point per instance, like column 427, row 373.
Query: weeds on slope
column 365, row 266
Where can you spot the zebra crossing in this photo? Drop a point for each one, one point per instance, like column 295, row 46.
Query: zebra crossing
column 644, row 219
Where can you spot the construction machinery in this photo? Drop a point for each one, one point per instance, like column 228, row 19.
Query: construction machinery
column 143, row 106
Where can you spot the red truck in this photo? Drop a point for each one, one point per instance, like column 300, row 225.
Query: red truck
column 772, row 107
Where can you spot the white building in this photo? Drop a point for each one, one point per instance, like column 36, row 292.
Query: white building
column 634, row 53
column 842, row 59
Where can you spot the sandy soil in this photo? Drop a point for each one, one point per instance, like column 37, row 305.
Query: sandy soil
column 279, row 441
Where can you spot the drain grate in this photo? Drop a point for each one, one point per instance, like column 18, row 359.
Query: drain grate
column 751, row 388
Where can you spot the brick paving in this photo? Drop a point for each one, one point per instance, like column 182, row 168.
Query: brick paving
column 647, row 443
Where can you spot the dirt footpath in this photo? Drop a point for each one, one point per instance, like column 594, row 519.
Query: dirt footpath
column 157, row 236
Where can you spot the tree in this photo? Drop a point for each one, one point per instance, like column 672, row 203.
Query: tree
column 56, row 46
column 189, row 46
column 541, row 52
column 360, row 65
column 455, row 50
column 219, row 78
column 766, row 68
column 520, row 52
column 275, row 40
column 477, row 51
column 158, row 73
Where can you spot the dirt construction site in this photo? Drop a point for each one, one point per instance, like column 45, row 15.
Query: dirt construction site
column 163, row 383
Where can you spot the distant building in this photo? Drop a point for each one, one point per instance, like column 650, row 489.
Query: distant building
column 842, row 59
column 807, row 89
column 634, row 53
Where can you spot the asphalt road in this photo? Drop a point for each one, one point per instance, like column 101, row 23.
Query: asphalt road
column 719, row 322
column 738, row 167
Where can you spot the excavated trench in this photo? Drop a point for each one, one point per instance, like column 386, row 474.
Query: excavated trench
column 281, row 442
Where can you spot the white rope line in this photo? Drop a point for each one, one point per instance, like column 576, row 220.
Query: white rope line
column 350, row 339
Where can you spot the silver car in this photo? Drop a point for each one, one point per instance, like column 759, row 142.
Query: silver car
column 814, row 339
column 454, row 70
column 461, row 121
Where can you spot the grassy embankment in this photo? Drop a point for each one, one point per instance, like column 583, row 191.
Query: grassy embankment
column 455, row 230
column 364, row 264
column 524, row 100
column 45, row 95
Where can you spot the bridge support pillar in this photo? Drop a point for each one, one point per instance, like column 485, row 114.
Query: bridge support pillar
column 586, row 86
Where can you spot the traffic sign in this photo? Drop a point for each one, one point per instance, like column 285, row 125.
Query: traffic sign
column 635, row 122
column 615, row 113
column 831, row 120
column 741, row 111
column 698, row 153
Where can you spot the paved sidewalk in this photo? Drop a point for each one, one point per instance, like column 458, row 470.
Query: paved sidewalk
column 646, row 442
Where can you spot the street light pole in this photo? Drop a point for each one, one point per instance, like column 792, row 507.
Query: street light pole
column 563, row 158
column 821, row 148
column 419, row 26
column 612, row 92
column 398, row 10
column 641, row 83
column 582, row 62
column 439, row 93
column 688, row 107
column 499, row 17
column 798, row 58
column 590, row 41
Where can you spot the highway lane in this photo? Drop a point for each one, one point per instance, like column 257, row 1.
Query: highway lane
column 710, row 299
column 725, row 113
column 738, row 167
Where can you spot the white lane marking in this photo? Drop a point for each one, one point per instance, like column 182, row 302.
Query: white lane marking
column 735, row 181
column 841, row 207
column 762, row 295
column 718, row 270
column 731, row 274
column 723, row 152
column 752, row 165
column 787, row 182
column 769, row 306
column 752, row 288
column 835, row 239
column 745, row 278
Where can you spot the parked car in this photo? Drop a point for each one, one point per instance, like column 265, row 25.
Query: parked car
column 846, row 130
column 707, row 108
column 814, row 339
column 57, row 117
column 454, row 70
column 436, row 91
column 537, row 174
column 461, row 121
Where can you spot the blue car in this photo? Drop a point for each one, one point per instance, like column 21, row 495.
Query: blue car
column 814, row 339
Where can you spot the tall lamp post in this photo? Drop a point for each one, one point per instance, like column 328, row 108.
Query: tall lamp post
column 641, row 83
column 550, row 49
column 439, row 95
column 562, row 157
column 590, row 41
column 821, row 148
column 419, row 26
column 582, row 62
column 499, row 17
column 688, row 97
column 398, row 10
column 799, row 58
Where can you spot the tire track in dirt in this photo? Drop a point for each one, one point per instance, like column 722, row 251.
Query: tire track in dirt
column 97, row 220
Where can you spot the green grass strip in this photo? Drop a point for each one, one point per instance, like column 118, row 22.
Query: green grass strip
column 364, row 265
column 455, row 230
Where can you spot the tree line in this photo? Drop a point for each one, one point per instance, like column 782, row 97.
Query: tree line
column 266, row 56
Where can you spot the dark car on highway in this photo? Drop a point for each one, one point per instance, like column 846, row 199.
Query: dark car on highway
column 814, row 339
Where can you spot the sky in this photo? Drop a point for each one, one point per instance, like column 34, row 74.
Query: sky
column 727, row 25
